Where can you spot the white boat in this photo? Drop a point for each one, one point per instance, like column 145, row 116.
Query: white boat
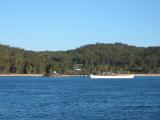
column 125, row 76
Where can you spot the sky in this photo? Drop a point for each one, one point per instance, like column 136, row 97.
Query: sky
column 67, row 24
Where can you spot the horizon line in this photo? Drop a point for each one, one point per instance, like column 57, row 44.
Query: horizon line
column 113, row 43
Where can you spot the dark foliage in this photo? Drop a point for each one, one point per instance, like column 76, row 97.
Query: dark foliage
column 95, row 58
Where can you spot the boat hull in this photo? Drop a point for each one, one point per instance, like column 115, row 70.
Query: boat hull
column 112, row 77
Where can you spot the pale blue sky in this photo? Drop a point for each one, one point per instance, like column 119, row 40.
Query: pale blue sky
column 68, row 24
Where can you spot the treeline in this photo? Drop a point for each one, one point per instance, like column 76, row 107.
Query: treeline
column 95, row 58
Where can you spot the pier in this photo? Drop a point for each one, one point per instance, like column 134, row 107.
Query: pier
column 69, row 76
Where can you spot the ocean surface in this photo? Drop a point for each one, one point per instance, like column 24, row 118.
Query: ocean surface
column 43, row 98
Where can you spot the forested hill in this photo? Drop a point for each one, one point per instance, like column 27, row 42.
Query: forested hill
column 95, row 58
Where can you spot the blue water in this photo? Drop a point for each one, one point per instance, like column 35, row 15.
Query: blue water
column 42, row 98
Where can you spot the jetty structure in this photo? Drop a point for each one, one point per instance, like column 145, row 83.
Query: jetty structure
column 99, row 75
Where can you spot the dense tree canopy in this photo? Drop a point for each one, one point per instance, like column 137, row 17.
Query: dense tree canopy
column 94, row 58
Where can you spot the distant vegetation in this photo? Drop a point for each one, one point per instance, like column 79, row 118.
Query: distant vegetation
column 95, row 58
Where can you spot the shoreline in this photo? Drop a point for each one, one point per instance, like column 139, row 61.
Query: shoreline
column 146, row 74
column 40, row 75
column 21, row 75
